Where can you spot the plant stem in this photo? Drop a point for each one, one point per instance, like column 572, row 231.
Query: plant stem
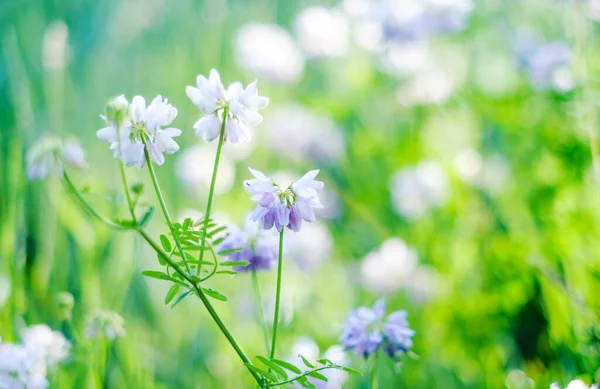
column 259, row 308
column 88, row 207
column 205, row 301
column 374, row 375
column 278, row 294
column 211, row 191
column 123, row 176
column 163, row 206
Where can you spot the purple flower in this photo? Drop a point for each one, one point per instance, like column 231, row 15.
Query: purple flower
column 547, row 65
column 366, row 331
column 258, row 247
column 284, row 208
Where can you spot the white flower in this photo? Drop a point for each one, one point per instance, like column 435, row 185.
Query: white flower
column 314, row 236
column 45, row 345
column 270, row 52
column 489, row 172
column 241, row 107
column 129, row 133
column 575, row 384
column 415, row 190
column 105, row 323
column 192, row 172
column 295, row 132
column 390, row 267
column 48, row 155
column 322, row 31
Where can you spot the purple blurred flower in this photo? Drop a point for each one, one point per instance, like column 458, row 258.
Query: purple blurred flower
column 258, row 246
column 547, row 65
column 366, row 331
column 284, row 208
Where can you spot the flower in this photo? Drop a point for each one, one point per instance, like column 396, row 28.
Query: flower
column 322, row 31
column 417, row 189
column 284, row 208
column 317, row 237
column 196, row 178
column 366, row 331
column 105, row 323
column 131, row 131
column 389, row 267
column 576, row 384
column 547, row 65
column 269, row 51
column 48, row 155
column 45, row 345
column 258, row 247
column 237, row 105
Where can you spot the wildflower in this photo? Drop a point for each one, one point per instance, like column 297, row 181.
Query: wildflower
column 367, row 330
column 284, row 207
column 323, row 32
column 45, row 345
column 48, row 155
column 269, row 51
column 416, row 190
column 105, row 323
column 576, row 384
column 317, row 237
column 547, row 65
column 132, row 130
column 257, row 246
column 240, row 105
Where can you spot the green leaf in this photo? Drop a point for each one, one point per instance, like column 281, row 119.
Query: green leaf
column 186, row 224
column 164, row 241
column 162, row 276
column 306, row 362
column 161, row 260
column 229, row 251
column 171, row 293
column 235, row 263
column 217, row 230
column 350, row 370
column 324, row 361
column 262, row 372
column 214, row 294
column 217, row 242
column 147, row 216
column 181, row 297
column 318, row 376
column 273, row 366
column 230, row 272
column 306, row 383
column 287, row 365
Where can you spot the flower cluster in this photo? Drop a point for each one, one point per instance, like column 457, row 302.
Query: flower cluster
column 134, row 128
column 105, row 323
column 284, row 207
column 24, row 366
column 367, row 330
column 236, row 105
column 258, row 247
column 48, row 155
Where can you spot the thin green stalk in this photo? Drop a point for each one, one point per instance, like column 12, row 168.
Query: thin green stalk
column 374, row 375
column 211, row 191
column 259, row 308
column 87, row 205
column 123, row 176
column 205, row 301
column 277, row 295
column 163, row 206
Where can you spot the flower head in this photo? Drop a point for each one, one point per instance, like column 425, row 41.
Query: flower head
column 45, row 345
column 367, row 330
column 284, row 207
column 132, row 128
column 575, row 384
column 105, row 323
column 238, row 106
column 257, row 246
column 48, row 155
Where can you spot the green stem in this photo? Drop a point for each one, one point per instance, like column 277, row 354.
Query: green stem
column 306, row 373
column 259, row 308
column 374, row 375
column 163, row 206
column 211, row 191
column 124, row 177
column 88, row 207
column 205, row 301
column 278, row 294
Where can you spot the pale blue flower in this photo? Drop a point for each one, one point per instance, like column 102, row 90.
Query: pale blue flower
column 258, row 247
column 547, row 65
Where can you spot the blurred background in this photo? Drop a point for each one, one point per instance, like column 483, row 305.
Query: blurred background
column 457, row 140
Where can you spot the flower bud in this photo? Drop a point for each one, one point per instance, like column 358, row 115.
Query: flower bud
column 64, row 305
column 117, row 109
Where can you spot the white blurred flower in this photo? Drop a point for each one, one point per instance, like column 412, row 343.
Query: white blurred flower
column 45, row 345
column 390, row 267
column 576, row 384
column 192, row 170
column 139, row 129
column 309, row 247
column 490, row 173
column 415, row 190
column 296, row 132
column 547, row 64
column 594, row 9
column 240, row 105
column 322, row 31
column 48, row 155
column 268, row 51
column 516, row 379
column 55, row 46
column 105, row 323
